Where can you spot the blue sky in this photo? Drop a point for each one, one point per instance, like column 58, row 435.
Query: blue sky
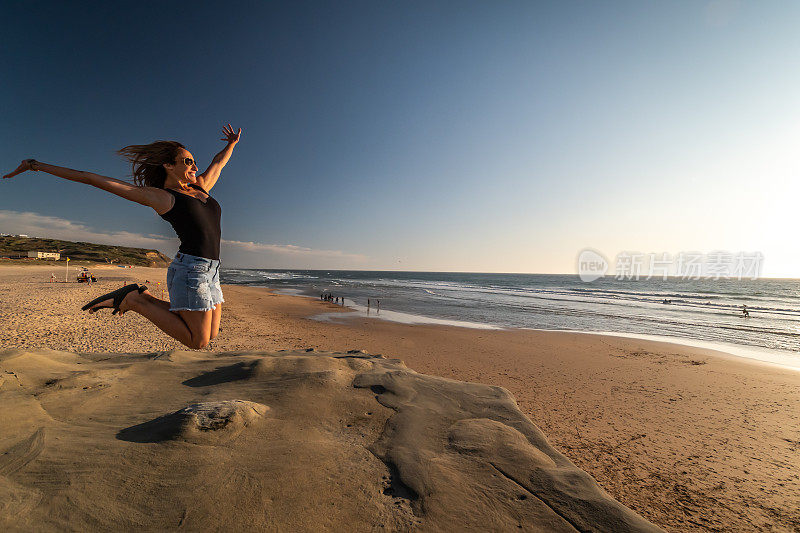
column 457, row 136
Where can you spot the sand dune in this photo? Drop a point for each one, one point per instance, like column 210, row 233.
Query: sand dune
column 289, row 441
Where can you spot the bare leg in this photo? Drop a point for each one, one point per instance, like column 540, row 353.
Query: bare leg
column 162, row 303
column 192, row 328
column 216, row 316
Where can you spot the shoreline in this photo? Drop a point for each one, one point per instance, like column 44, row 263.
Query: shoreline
column 690, row 440
column 757, row 354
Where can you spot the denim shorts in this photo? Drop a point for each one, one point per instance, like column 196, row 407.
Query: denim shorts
column 193, row 283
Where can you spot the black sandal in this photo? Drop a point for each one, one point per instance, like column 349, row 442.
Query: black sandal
column 117, row 295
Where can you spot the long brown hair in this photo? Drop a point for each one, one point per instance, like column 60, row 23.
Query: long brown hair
column 146, row 161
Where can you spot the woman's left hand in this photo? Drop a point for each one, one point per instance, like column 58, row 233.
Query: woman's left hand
column 229, row 136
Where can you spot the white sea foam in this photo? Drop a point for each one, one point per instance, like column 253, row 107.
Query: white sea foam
column 395, row 316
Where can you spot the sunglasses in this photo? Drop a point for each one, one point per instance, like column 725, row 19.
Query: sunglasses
column 188, row 161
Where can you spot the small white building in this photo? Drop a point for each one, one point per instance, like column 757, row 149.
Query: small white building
column 45, row 255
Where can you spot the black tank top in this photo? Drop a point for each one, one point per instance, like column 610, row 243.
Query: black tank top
column 196, row 223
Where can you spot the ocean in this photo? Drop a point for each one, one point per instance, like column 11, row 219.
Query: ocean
column 704, row 310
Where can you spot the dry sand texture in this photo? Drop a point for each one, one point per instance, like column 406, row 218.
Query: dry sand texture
column 689, row 439
column 280, row 442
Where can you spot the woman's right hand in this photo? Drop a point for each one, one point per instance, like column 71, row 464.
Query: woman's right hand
column 25, row 165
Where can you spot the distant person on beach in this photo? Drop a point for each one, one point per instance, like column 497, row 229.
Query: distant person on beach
column 164, row 178
column 745, row 312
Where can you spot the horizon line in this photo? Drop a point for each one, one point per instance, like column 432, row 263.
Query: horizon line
column 720, row 278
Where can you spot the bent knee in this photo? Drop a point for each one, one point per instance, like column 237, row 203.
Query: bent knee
column 200, row 343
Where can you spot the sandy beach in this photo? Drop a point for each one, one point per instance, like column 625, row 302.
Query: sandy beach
column 688, row 438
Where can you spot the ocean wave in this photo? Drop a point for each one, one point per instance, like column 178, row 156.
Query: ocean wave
column 704, row 310
column 235, row 277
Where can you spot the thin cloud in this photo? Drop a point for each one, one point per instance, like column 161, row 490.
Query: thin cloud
column 50, row 227
column 291, row 250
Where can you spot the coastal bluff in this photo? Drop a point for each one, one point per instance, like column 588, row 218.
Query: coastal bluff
column 277, row 441
column 14, row 249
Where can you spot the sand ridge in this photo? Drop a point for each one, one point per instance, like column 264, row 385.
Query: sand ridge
column 467, row 451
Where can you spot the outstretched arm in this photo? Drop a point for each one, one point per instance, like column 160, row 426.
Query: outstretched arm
column 153, row 197
column 208, row 178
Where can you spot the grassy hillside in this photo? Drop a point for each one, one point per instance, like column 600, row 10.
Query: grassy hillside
column 83, row 251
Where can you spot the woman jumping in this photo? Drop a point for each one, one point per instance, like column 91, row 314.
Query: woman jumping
column 164, row 176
